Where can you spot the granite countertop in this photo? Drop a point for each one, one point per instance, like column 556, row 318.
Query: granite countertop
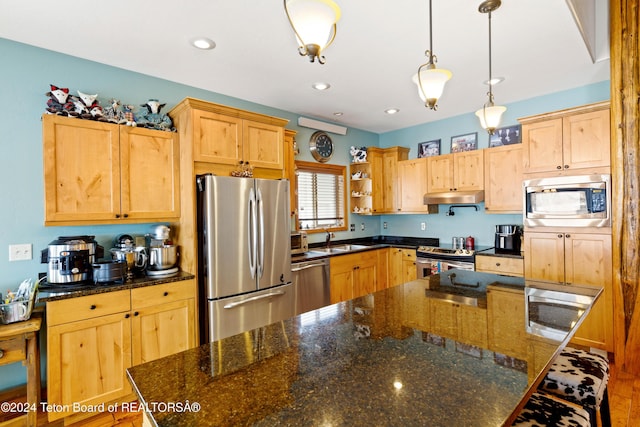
column 60, row 292
column 353, row 363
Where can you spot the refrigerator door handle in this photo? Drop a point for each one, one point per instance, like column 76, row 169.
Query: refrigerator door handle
column 252, row 232
column 260, row 247
column 256, row 298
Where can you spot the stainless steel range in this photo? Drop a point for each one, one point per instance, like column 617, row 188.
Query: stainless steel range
column 433, row 260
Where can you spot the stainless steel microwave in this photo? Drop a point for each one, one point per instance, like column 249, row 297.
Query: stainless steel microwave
column 568, row 201
column 299, row 243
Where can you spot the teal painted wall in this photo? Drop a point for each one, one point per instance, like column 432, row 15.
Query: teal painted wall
column 26, row 74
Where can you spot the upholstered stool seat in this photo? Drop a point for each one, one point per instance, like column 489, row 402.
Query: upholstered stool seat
column 542, row 410
column 580, row 377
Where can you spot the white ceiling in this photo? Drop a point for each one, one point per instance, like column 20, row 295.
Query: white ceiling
column 380, row 44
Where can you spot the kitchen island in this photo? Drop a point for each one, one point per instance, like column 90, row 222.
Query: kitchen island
column 359, row 362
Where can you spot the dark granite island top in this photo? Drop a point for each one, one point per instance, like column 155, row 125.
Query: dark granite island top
column 352, row 363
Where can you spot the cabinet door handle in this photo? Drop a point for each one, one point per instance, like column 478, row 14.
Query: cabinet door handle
column 165, row 293
column 126, row 215
column 558, row 167
column 136, row 313
column 497, row 264
column 93, row 307
column 566, row 166
column 126, row 316
column 568, row 236
column 117, row 215
column 559, row 236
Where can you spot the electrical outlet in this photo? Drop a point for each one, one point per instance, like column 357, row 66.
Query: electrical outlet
column 384, row 225
column 362, row 226
column 352, row 227
column 423, row 226
column 20, row 252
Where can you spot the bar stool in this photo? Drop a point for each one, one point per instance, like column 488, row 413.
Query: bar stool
column 581, row 377
column 544, row 410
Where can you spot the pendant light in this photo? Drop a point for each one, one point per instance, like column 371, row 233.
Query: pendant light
column 490, row 114
column 314, row 23
column 429, row 79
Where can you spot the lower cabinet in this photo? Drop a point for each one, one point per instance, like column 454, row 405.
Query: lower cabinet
column 354, row 275
column 402, row 266
column 506, row 321
column 500, row 265
column 92, row 340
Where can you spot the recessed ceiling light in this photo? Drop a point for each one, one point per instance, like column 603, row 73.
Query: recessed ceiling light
column 494, row 81
column 392, row 110
column 203, row 43
column 338, row 113
column 321, row 86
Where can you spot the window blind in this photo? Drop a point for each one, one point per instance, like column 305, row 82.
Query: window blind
column 320, row 199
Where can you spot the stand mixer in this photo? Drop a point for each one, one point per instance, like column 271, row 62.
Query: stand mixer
column 163, row 254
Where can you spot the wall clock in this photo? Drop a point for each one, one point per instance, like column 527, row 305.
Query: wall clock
column 321, row 146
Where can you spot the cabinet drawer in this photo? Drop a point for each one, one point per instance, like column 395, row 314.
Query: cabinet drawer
column 81, row 308
column 150, row 296
column 500, row 265
column 12, row 350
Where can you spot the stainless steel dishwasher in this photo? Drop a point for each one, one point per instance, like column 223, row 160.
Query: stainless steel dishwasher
column 311, row 280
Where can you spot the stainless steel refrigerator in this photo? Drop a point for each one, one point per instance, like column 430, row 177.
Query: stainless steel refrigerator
column 244, row 255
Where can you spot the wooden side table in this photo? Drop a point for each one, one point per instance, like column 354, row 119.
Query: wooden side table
column 19, row 342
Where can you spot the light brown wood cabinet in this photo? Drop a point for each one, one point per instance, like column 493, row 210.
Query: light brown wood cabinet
column 353, row 275
column 100, row 173
column 580, row 259
column 508, row 266
column 384, row 174
column 101, row 335
column 228, row 140
column 412, row 186
column 503, row 179
column 402, row 266
column 456, row 172
column 506, row 321
column 567, row 141
column 290, row 148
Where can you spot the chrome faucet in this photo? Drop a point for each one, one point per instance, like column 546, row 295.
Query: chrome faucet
column 328, row 238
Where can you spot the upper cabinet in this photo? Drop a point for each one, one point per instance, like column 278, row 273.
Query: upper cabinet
column 230, row 140
column 412, row 185
column 374, row 183
column 503, row 179
column 101, row 173
column 456, row 172
column 225, row 139
column 567, row 141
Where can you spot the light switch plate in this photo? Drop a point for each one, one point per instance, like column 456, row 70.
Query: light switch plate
column 21, row 252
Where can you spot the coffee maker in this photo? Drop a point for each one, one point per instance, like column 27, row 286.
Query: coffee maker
column 507, row 239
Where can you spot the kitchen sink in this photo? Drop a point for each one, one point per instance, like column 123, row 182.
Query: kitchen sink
column 339, row 249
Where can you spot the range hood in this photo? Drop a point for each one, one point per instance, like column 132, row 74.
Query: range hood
column 454, row 197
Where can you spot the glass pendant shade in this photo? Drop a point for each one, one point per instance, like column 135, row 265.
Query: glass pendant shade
column 314, row 23
column 490, row 117
column 430, row 82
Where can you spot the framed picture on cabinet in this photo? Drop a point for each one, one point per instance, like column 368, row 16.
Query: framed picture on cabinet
column 466, row 142
column 506, row 136
column 429, row 148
